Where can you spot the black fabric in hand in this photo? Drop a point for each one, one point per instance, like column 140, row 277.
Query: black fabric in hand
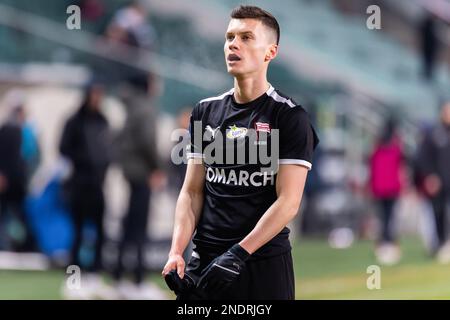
column 223, row 270
column 178, row 285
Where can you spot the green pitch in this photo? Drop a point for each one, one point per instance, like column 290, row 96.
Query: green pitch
column 325, row 273
column 321, row 273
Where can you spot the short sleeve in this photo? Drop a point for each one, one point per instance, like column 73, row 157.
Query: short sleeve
column 194, row 148
column 298, row 139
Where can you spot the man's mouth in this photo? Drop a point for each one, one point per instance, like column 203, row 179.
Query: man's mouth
column 233, row 57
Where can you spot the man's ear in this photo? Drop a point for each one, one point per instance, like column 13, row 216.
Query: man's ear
column 271, row 52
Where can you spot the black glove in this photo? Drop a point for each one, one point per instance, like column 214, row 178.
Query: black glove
column 178, row 285
column 223, row 270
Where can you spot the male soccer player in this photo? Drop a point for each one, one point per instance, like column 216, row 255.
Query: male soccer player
column 240, row 209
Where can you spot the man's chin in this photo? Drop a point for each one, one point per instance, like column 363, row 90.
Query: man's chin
column 234, row 72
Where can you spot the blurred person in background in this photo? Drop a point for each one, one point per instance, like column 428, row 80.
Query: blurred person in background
column 30, row 149
column 386, row 163
column 129, row 29
column 314, row 187
column 429, row 45
column 133, row 20
column 86, row 144
column 91, row 10
column 15, row 150
column 137, row 154
column 433, row 164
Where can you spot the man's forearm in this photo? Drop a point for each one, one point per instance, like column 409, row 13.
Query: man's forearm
column 187, row 213
column 280, row 213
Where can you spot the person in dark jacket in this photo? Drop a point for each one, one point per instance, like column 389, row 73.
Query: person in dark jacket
column 433, row 164
column 138, row 157
column 86, row 143
column 12, row 179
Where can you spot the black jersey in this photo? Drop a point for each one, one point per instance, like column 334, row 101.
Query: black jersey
column 240, row 188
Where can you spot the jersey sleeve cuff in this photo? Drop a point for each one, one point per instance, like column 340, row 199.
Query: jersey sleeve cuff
column 299, row 162
column 191, row 155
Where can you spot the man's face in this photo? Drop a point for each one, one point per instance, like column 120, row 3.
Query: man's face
column 95, row 97
column 249, row 47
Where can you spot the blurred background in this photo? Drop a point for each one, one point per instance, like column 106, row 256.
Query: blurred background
column 87, row 115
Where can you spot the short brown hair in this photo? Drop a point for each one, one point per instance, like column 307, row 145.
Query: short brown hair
column 253, row 12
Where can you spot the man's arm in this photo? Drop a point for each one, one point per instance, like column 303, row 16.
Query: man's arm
column 187, row 214
column 290, row 184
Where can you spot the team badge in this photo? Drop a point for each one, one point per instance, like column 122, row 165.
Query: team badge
column 262, row 127
column 236, row 132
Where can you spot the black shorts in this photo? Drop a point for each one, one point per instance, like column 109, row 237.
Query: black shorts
column 269, row 278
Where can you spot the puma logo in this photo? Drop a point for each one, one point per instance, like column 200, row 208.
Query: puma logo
column 212, row 131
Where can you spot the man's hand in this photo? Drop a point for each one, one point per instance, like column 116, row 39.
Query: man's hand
column 175, row 262
column 223, row 270
column 176, row 278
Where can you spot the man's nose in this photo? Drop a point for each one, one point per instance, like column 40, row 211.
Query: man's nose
column 233, row 44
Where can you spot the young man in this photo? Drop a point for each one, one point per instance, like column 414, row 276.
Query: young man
column 240, row 210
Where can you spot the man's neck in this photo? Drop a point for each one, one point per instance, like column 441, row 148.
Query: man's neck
column 248, row 89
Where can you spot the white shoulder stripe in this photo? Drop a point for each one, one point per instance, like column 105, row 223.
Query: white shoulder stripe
column 304, row 163
column 275, row 96
column 231, row 91
column 271, row 89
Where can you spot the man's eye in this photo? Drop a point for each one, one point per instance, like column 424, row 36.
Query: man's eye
column 229, row 38
column 245, row 38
